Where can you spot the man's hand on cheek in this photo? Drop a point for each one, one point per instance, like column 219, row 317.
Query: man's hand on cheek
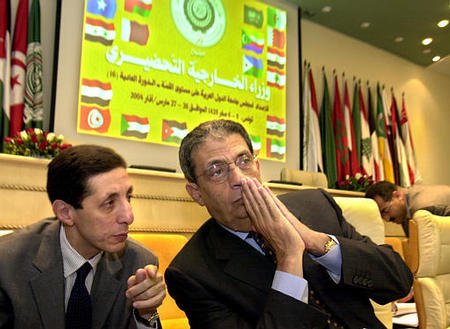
column 146, row 289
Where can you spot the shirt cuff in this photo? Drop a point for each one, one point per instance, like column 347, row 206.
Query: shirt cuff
column 332, row 261
column 140, row 325
column 291, row 285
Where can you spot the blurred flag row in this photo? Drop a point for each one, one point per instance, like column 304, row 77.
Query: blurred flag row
column 344, row 138
column 20, row 69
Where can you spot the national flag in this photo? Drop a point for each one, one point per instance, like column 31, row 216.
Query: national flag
column 253, row 41
column 94, row 118
column 276, row 18
column 173, row 131
column 275, row 78
column 18, row 67
column 377, row 161
column 383, row 145
column 354, row 163
column 256, row 143
column 275, row 38
column 327, row 136
column 140, row 7
column 366, row 161
column 275, row 126
column 97, row 30
column 95, row 91
column 34, row 108
column 4, row 70
column 134, row 32
column 252, row 66
column 341, row 136
column 403, row 173
column 356, row 118
column 312, row 147
column 276, row 58
column 275, row 148
column 134, row 126
column 253, row 16
column 392, row 143
column 105, row 8
column 414, row 174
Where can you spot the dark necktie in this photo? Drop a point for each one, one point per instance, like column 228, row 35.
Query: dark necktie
column 79, row 312
column 259, row 239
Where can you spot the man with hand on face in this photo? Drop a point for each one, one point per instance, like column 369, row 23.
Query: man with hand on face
column 323, row 273
column 398, row 204
column 79, row 270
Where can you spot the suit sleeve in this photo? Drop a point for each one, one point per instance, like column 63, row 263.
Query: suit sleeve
column 377, row 270
column 206, row 311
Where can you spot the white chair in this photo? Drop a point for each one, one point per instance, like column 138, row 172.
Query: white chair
column 307, row 178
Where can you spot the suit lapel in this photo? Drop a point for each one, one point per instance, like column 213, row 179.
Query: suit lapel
column 105, row 288
column 236, row 252
column 48, row 284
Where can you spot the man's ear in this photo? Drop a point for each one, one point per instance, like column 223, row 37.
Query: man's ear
column 398, row 194
column 63, row 211
column 193, row 190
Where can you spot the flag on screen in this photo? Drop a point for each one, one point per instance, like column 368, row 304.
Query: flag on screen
column 93, row 118
column 252, row 16
column 134, row 126
column 402, row 162
column 327, row 136
column 253, row 41
column 173, row 131
column 275, row 148
column 105, row 8
column 18, row 68
column 276, row 58
column 275, row 38
column 97, row 30
column 377, row 162
column 312, row 147
column 275, row 126
column 4, row 70
column 34, row 109
column 140, row 7
column 341, row 136
column 97, row 92
column 134, row 32
column 252, row 66
column 276, row 18
column 366, row 143
column 414, row 174
column 256, row 143
column 383, row 145
column 275, row 78
column 354, row 163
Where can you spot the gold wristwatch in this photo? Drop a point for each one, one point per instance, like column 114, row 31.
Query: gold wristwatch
column 150, row 321
column 329, row 245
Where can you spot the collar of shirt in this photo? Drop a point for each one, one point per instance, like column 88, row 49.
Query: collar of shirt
column 244, row 236
column 408, row 211
column 72, row 260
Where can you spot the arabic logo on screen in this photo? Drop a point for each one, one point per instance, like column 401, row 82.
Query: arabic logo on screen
column 201, row 22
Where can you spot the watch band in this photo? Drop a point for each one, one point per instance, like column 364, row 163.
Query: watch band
column 150, row 321
column 329, row 245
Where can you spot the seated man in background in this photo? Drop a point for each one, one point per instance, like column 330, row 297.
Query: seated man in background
column 79, row 270
column 263, row 261
column 398, row 204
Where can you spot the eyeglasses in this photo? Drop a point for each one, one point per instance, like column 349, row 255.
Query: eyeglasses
column 218, row 172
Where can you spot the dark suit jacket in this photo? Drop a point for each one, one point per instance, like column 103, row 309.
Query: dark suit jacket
column 32, row 281
column 222, row 282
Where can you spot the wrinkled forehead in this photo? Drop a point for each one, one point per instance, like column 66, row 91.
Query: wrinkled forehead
column 219, row 147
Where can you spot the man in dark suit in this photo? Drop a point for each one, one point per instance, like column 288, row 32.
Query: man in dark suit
column 323, row 273
column 398, row 204
column 79, row 270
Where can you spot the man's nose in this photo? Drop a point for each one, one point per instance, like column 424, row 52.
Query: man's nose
column 236, row 175
column 126, row 213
